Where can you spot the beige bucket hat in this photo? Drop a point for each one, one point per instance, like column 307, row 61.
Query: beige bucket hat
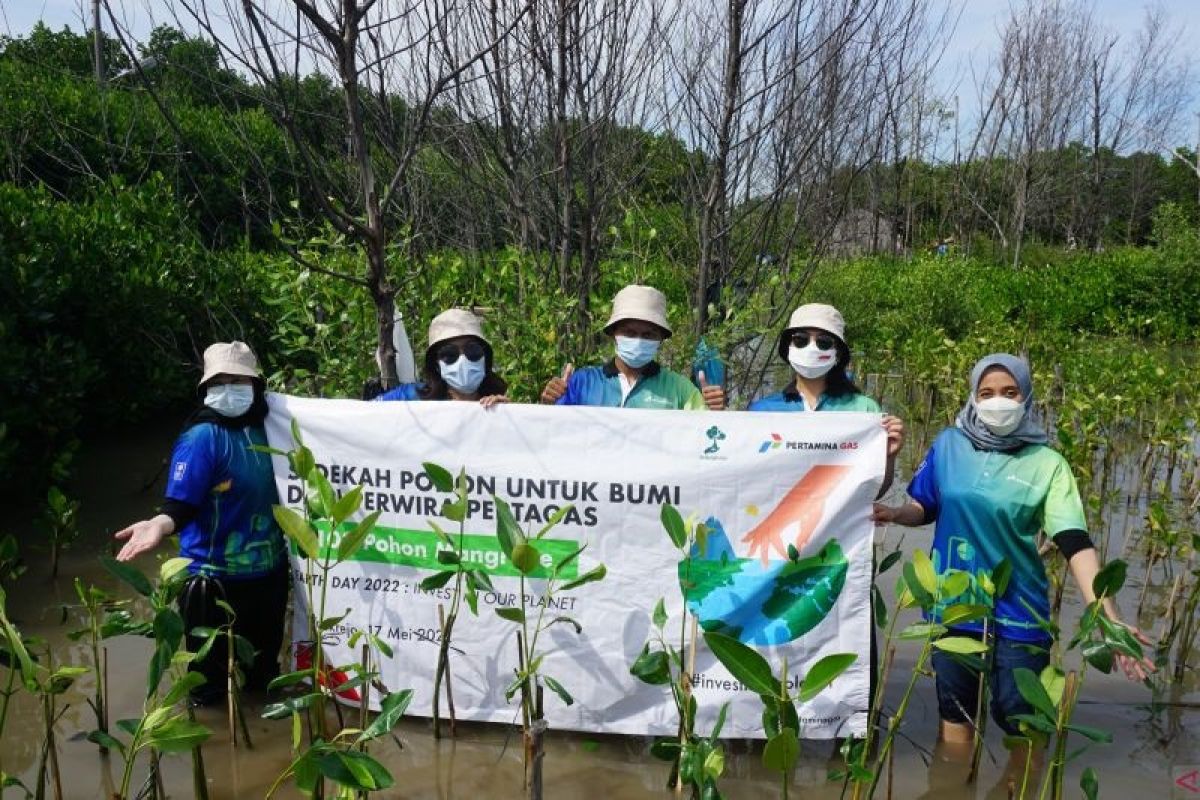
column 643, row 303
column 813, row 315
column 229, row 358
column 455, row 322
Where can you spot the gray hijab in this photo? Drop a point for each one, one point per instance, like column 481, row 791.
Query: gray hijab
column 1030, row 431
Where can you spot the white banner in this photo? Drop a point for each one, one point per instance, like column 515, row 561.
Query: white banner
column 763, row 481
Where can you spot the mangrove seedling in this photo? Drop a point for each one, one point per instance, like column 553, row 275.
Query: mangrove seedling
column 467, row 582
column 528, row 681
column 239, row 652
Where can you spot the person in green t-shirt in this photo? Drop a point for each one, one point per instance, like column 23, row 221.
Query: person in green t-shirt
column 991, row 485
column 633, row 378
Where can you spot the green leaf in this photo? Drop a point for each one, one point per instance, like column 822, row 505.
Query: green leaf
column 290, row 679
column 963, row 612
column 357, row 535
column 354, row 770
column 960, row 644
column 1090, row 784
column 595, row 574
column 437, row 580
column 889, row 561
column 129, row 574
column 508, row 532
column 714, row 763
column 1030, row 687
column 743, row 663
column 516, row 615
column 924, row 571
column 823, row 672
column 296, row 528
column 454, row 511
column 448, row 557
column 922, row 630
column 652, row 667
column 673, row 523
column 346, row 505
column 181, row 687
column 881, row 609
column 913, row 582
column 665, row 749
column 1099, row 655
column 1109, row 579
column 287, row 707
column 558, row 689
column 955, row 583
column 715, row 734
column 1001, row 576
column 781, row 751
column 1095, row 734
column 525, row 557
column 105, row 740
column 178, row 735
column 439, row 476
column 172, row 567
column 390, row 711
column 659, row 617
column 554, row 519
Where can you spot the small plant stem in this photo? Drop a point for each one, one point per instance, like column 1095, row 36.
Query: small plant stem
column 230, row 688
column 894, row 722
column 980, row 719
column 199, row 778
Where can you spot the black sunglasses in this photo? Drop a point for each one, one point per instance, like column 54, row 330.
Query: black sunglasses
column 824, row 340
column 449, row 353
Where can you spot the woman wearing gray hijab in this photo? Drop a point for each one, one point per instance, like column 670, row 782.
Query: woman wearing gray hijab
column 991, row 485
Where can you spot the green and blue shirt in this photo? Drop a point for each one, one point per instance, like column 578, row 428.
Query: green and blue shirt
column 234, row 533
column 656, row 388
column 990, row 505
column 791, row 400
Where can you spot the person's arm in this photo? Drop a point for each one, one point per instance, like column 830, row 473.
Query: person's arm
column 189, row 479
column 556, row 387
column 144, row 536
column 910, row 515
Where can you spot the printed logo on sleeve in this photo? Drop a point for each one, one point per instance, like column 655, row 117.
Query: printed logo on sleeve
column 180, row 469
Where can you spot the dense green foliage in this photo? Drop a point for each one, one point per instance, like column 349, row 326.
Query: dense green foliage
column 130, row 237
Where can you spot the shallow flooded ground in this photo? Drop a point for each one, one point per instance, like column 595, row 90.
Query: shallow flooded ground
column 118, row 483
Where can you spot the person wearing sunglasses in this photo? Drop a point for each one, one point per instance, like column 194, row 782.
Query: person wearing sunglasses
column 458, row 364
column 633, row 378
column 814, row 346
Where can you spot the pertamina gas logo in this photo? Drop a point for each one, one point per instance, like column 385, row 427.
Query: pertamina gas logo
column 777, row 442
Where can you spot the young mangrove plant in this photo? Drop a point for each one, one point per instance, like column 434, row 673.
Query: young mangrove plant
column 920, row 587
column 696, row 761
column 1053, row 694
column 61, row 520
column 781, row 723
column 166, row 725
column 467, row 582
column 529, row 679
column 325, row 536
column 239, row 652
column 104, row 616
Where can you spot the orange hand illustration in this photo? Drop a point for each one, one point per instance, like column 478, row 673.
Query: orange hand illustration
column 803, row 505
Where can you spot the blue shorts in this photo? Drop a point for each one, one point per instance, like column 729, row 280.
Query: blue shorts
column 958, row 684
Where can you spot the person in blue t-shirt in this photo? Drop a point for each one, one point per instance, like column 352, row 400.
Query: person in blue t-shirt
column 991, row 485
column 458, row 364
column 219, row 499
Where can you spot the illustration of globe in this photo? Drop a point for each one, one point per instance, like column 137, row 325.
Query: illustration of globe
column 763, row 605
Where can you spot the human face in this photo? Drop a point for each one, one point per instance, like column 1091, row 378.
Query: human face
column 638, row 329
column 998, row 382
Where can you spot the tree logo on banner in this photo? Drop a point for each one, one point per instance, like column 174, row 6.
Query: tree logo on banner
column 715, row 437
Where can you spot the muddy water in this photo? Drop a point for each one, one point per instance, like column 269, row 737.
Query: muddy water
column 118, row 484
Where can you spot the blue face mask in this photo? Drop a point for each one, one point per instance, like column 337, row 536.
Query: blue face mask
column 230, row 400
column 464, row 375
column 636, row 352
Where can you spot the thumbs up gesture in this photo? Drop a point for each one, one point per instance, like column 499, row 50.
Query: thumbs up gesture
column 714, row 396
column 556, row 387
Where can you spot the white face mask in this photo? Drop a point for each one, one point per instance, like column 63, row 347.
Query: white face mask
column 464, row 375
column 811, row 361
column 636, row 352
column 230, row 400
column 1001, row 415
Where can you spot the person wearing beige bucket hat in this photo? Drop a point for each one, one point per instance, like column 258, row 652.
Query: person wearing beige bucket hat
column 633, row 378
column 458, row 364
column 219, row 499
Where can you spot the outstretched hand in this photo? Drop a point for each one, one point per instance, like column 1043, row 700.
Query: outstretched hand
column 144, row 536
